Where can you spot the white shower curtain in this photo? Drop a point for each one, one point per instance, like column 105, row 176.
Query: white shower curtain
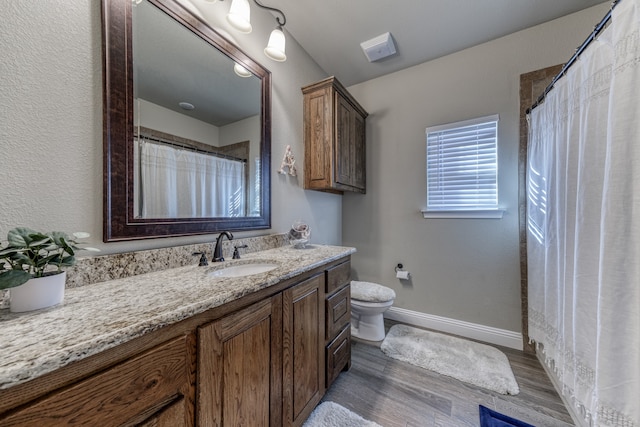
column 584, row 226
column 179, row 183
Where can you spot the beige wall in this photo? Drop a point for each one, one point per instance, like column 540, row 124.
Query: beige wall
column 464, row 269
column 51, row 150
column 51, row 122
column 161, row 119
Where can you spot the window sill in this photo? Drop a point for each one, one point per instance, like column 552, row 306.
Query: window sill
column 488, row 214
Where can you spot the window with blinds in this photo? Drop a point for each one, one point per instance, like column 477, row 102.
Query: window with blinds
column 462, row 166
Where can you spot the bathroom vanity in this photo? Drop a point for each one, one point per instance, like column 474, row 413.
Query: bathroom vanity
column 181, row 347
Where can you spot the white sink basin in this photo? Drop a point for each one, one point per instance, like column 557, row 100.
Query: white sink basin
column 243, row 270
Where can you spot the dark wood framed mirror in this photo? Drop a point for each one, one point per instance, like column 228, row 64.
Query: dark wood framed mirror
column 127, row 81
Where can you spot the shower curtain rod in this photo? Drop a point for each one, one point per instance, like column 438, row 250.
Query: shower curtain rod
column 598, row 28
column 188, row 147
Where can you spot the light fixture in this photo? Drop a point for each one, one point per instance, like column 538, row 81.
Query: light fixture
column 186, row 105
column 241, row 71
column 239, row 17
column 275, row 47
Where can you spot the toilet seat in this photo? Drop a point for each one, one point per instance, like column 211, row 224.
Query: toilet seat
column 371, row 304
column 371, row 292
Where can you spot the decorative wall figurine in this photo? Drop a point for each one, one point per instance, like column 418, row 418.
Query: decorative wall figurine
column 288, row 161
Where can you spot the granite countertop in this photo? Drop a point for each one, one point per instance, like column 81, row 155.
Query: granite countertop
column 100, row 316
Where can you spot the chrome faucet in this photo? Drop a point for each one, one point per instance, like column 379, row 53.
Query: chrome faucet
column 217, row 251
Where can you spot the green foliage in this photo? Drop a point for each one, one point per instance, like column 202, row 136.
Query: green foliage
column 30, row 253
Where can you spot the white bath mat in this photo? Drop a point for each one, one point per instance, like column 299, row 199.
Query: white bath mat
column 464, row 360
column 329, row 414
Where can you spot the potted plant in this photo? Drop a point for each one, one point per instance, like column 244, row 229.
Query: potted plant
column 31, row 266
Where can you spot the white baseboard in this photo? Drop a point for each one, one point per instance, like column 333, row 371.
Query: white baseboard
column 457, row 327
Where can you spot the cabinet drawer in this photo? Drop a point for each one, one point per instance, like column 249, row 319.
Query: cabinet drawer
column 154, row 386
column 338, row 312
column 338, row 355
column 338, row 276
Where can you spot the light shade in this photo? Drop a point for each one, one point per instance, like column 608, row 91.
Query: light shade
column 276, row 45
column 241, row 71
column 239, row 16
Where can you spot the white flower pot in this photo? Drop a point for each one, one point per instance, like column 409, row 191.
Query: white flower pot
column 40, row 292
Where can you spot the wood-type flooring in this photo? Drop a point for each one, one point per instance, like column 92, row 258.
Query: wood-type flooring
column 397, row 394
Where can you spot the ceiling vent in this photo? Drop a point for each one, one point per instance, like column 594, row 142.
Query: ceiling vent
column 378, row 47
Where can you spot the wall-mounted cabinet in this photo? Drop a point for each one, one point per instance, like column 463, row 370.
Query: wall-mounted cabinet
column 334, row 139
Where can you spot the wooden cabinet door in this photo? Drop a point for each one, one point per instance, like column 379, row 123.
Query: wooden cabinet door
column 338, row 312
column 303, row 349
column 338, row 276
column 318, row 131
column 359, row 155
column 152, row 389
column 344, row 142
column 338, row 355
column 350, row 146
column 240, row 367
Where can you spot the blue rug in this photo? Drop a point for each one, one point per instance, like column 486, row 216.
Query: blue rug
column 489, row 418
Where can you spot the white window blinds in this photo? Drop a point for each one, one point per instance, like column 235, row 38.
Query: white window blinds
column 462, row 165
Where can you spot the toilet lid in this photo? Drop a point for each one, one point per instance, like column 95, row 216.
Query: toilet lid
column 371, row 292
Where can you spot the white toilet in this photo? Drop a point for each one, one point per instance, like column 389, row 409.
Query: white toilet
column 368, row 302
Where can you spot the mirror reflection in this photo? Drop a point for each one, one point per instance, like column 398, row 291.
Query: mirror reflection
column 187, row 126
column 197, row 125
